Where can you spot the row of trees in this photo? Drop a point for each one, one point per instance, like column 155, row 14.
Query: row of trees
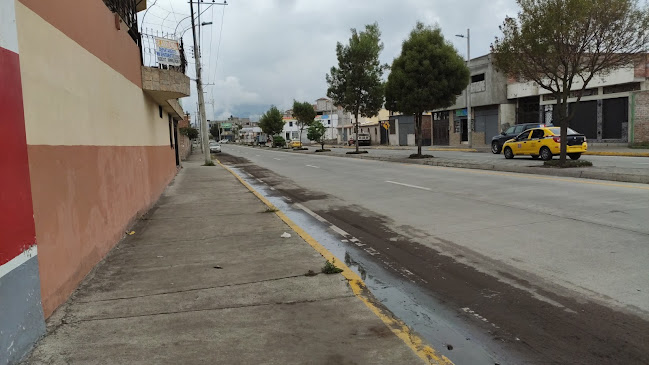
column 428, row 74
column 559, row 44
column 272, row 122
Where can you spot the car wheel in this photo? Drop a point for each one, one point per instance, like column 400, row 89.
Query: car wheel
column 574, row 156
column 509, row 154
column 495, row 147
column 535, row 157
column 546, row 154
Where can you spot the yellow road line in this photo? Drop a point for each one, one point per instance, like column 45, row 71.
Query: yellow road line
column 534, row 176
column 453, row 149
column 398, row 327
column 626, row 154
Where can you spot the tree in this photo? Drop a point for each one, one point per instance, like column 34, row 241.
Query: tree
column 563, row 44
column 215, row 131
column 356, row 83
column 190, row 132
column 304, row 114
column 428, row 74
column 316, row 132
column 272, row 122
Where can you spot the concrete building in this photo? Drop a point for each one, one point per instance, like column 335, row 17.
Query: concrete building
column 326, row 114
column 90, row 146
column 612, row 110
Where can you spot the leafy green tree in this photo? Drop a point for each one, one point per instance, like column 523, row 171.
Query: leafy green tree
column 215, row 131
column 190, row 132
column 304, row 114
column 316, row 132
column 356, row 83
column 563, row 44
column 272, row 122
column 279, row 141
column 428, row 74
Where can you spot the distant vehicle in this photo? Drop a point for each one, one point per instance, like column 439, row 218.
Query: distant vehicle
column 545, row 143
column 215, row 147
column 223, row 141
column 295, row 143
column 363, row 140
column 498, row 141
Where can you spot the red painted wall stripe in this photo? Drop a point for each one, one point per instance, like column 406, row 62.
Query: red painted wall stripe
column 17, row 231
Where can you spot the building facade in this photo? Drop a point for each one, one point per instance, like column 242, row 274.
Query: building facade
column 612, row 108
column 91, row 145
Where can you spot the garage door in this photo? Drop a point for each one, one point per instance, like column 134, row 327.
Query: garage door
column 585, row 120
column 614, row 114
column 486, row 121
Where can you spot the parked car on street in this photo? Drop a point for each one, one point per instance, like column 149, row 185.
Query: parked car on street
column 363, row 140
column 223, row 141
column 215, row 147
column 498, row 141
column 545, row 143
column 295, row 143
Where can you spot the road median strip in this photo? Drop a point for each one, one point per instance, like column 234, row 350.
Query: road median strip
column 360, row 290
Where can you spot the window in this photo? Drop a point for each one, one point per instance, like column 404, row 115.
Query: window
column 290, row 124
column 523, row 136
column 519, row 129
column 510, row 130
column 538, row 134
column 477, row 78
column 633, row 86
column 557, row 131
column 328, row 122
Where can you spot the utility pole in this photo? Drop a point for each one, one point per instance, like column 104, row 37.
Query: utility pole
column 468, row 90
column 199, row 88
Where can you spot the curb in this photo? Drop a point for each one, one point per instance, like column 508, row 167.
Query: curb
column 398, row 327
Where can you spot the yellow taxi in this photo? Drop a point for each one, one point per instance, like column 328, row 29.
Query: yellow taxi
column 545, row 142
column 295, row 143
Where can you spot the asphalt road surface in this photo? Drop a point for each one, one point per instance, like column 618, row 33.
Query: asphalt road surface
column 540, row 270
column 599, row 161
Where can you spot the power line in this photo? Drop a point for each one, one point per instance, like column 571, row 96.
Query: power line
column 218, row 49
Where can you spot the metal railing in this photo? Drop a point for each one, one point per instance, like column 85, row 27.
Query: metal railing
column 126, row 9
column 149, row 56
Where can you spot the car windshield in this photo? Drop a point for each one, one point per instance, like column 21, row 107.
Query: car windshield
column 557, row 131
column 510, row 130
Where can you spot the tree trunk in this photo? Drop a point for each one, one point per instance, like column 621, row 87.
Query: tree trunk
column 563, row 118
column 356, row 130
column 301, row 128
column 418, row 119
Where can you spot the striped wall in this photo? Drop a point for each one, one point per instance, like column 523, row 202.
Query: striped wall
column 21, row 314
column 89, row 152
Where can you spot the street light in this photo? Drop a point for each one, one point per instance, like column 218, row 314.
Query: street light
column 468, row 90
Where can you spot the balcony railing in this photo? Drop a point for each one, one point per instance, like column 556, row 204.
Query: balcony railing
column 149, row 55
column 127, row 10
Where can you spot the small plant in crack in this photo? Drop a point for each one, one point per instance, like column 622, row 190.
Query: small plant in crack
column 311, row 273
column 271, row 210
column 331, row 268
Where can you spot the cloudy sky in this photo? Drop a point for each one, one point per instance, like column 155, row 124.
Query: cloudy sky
column 274, row 51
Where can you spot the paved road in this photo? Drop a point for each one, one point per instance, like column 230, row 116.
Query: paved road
column 598, row 161
column 554, row 267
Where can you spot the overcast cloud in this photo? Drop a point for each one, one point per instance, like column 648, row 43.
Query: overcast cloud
column 274, row 51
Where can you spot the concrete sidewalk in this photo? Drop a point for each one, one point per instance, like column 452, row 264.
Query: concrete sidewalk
column 207, row 279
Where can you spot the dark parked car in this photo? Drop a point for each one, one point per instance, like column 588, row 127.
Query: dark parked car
column 511, row 132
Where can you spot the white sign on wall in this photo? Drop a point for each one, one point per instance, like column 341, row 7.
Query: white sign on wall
column 167, row 51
